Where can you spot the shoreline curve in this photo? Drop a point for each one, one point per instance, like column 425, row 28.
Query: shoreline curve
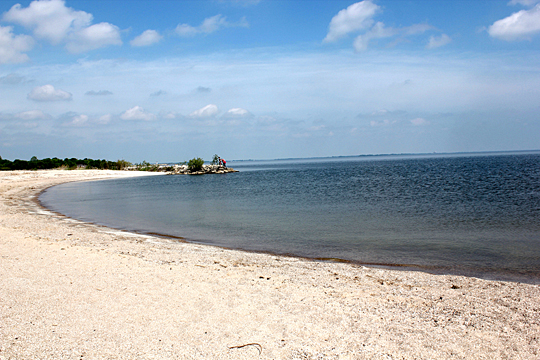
column 74, row 289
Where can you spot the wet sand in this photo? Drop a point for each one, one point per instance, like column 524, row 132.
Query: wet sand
column 71, row 290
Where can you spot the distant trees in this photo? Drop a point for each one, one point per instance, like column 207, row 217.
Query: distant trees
column 146, row 166
column 194, row 165
column 54, row 163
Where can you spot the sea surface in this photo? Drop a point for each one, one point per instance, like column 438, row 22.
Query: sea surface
column 467, row 214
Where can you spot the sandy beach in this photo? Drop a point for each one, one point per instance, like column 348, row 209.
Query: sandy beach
column 71, row 290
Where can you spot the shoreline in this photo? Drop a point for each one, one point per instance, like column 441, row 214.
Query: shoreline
column 78, row 289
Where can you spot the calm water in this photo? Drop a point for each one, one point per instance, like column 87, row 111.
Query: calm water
column 473, row 215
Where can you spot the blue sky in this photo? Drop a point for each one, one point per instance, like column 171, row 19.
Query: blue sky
column 171, row 80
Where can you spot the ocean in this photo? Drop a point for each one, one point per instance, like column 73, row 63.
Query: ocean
column 466, row 214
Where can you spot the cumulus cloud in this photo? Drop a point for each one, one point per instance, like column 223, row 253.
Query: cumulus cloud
column 419, row 122
column 359, row 17
column 209, row 25
column 206, row 112
column 518, row 26
column 73, row 119
column 48, row 93
column 93, row 37
column 12, row 47
column 438, row 41
column 51, row 20
column 356, row 17
column 32, row 115
column 137, row 113
column 77, row 120
column 237, row 113
column 98, row 93
column 147, row 38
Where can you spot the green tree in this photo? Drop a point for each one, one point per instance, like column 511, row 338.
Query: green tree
column 121, row 164
column 195, row 164
column 215, row 159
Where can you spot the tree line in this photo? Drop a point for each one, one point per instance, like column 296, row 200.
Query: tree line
column 35, row 164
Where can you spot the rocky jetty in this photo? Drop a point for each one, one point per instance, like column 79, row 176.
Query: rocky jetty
column 206, row 169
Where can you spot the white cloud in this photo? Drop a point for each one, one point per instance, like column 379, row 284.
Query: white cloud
column 104, row 119
column 186, row 30
column 48, row 93
column 238, row 113
column 356, row 17
column 12, row 46
column 209, row 25
column 416, row 29
column 77, row 120
column 53, row 21
column 207, row 111
column 147, row 38
column 518, row 26
column 32, row 115
column 419, row 122
column 438, row 41
column 50, row 20
column 379, row 31
column 137, row 113
column 93, row 37
column 376, row 32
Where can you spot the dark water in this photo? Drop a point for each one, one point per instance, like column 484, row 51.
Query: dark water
column 472, row 215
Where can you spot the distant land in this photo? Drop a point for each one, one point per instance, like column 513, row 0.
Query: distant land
column 435, row 154
column 73, row 163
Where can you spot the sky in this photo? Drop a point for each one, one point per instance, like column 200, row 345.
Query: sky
column 169, row 80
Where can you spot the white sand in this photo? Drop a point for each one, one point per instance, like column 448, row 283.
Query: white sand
column 70, row 290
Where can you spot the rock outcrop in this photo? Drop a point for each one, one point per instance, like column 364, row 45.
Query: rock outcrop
column 206, row 169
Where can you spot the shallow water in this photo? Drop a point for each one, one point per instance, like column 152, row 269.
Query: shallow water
column 472, row 215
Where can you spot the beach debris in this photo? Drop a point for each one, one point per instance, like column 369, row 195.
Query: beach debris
column 257, row 345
